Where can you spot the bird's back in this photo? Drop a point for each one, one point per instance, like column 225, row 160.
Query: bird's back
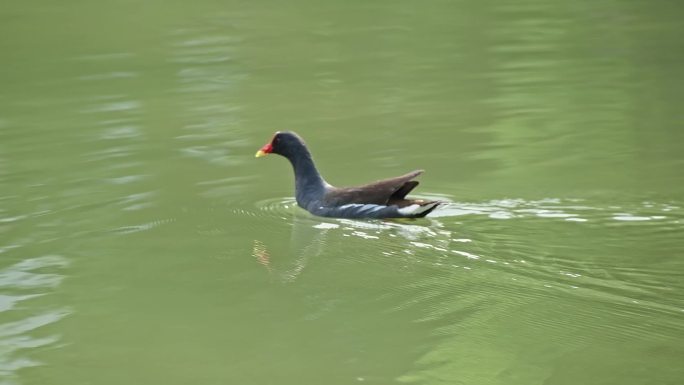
column 381, row 192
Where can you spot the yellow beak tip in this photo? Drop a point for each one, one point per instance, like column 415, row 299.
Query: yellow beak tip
column 259, row 154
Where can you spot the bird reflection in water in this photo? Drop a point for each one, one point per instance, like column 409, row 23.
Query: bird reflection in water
column 310, row 238
column 260, row 252
column 306, row 242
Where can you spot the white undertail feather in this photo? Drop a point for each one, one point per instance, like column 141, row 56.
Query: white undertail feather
column 416, row 209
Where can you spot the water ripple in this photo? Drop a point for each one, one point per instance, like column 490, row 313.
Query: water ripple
column 274, row 207
column 204, row 61
column 25, row 281
column 466, row 256
column 571, row 210
column 142, row 227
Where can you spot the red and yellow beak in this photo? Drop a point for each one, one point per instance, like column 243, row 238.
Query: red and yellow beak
column 267, row 149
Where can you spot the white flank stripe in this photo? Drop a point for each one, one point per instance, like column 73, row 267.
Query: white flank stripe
column 362, row 207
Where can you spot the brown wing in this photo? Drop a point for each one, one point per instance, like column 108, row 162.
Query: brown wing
column 378, row 193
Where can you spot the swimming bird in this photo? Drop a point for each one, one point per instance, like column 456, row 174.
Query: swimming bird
column 381, row 199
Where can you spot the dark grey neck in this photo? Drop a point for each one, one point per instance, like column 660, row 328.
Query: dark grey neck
column 309, row 185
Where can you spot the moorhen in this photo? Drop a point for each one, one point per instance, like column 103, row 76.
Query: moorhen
column 382, row 199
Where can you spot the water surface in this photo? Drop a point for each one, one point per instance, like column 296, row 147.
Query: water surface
column 141, row 242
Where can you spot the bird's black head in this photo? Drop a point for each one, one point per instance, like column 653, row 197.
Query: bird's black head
column 285, row 143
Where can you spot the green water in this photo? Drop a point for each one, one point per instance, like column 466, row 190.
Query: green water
column 142, row 243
